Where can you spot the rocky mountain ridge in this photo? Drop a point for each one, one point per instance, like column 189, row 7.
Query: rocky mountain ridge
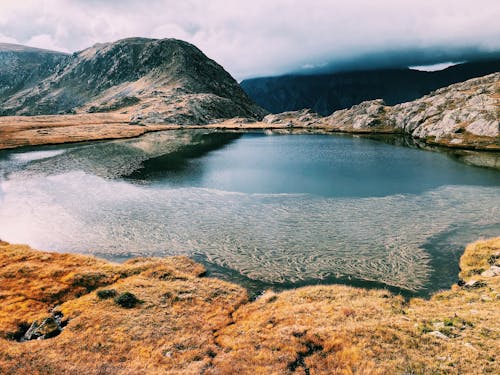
column 326, row 93
column 465, row 114
column 155, row 81
column 22, row 67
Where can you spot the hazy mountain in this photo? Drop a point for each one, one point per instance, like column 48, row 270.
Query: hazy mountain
column 162, row 81
column 325, row 93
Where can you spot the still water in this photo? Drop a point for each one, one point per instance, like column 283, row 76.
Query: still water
column 262, row 210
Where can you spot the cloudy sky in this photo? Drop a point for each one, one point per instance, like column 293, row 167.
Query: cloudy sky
column 267, row 37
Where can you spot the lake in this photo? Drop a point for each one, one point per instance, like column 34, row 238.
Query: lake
column 264, row 210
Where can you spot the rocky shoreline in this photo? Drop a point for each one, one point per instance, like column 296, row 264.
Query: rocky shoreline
column 65, row 314
column 461, row 116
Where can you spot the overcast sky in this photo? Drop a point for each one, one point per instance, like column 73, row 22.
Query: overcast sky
column 266, row 37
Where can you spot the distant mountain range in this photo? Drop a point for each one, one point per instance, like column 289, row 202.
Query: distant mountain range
column 169, row 81
column 326, row 93
column 159, row 81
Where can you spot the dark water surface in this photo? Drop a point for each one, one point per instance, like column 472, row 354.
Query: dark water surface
column 263, row 210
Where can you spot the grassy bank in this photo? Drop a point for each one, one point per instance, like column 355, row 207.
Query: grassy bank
column 183, row 322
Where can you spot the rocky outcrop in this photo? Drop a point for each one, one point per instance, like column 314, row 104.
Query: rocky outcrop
column 164, row 81
column 464, row 115
column 454, row 115
column 365, row 117
column 45, row 329
column 304, row 117
column 326, row 93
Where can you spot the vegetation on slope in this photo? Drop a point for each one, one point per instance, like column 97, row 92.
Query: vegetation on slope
column 186, row 323
column 164, row 81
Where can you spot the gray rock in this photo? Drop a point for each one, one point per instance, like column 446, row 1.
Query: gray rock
column 48, row 328
column 473, row 284
column 450, row 115
column 491, row 272
column 439, row 335
column 484, row 127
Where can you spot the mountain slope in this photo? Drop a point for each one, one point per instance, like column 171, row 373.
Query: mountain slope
column 464, row 115
column 22, row 67
column 161, row 81
column 326, row 93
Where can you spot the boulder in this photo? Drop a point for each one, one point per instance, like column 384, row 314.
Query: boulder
column 49, row 327
column 473, row 284
column 491, row 272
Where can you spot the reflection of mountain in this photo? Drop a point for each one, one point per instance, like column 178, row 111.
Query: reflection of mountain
column 325, row 93
column 176, row 162
column 138, row 159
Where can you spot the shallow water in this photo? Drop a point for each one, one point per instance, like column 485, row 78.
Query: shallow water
column 266, row 211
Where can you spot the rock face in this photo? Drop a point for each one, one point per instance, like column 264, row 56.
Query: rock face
column 155, row 81
column 22, row 67
column 468, row 108
column 304, row 117
column 367, row 116
column 325, row 93
column 465, row 114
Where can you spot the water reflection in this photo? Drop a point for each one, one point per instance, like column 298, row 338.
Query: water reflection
column 178, row 163
column 263, row 210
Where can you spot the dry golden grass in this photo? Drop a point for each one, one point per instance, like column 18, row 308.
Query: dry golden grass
column 189, row 324
column 18, row 131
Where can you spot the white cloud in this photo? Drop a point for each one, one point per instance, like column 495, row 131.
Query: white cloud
column 45, row 41
column 433, row 67
column 257, row 37
column 7, row 39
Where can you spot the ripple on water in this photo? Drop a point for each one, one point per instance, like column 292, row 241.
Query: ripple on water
column 265, row 237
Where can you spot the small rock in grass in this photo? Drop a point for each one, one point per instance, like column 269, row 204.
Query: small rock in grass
column 472, row 284
column 439, row 335
column 493, row 271
column 49, row 327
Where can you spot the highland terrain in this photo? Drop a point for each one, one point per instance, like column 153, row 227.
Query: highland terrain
column 73, row 314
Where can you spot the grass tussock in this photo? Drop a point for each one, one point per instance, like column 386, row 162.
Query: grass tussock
column 189, row 324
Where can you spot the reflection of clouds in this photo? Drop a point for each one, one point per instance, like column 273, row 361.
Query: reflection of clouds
column 106, row 159
column 36, row 155
column 267, row 237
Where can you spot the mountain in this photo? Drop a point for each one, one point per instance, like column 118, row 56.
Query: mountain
column 463, row 115
column 22, row 67
column 160, row 81
column 325, row 93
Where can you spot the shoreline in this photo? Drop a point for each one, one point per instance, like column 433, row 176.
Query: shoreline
column 22, row 131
